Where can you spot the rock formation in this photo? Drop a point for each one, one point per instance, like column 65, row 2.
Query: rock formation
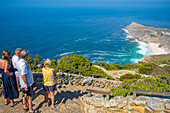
column 149, row 34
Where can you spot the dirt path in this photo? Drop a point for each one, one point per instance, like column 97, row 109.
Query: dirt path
column 66, row 100
column 117, row 73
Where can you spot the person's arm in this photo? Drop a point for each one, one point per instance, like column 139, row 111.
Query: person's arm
column 24, row 78
column 6, row 69
column 24, row 71
column 54, row 73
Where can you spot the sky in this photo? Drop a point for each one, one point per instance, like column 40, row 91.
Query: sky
column 85, row 3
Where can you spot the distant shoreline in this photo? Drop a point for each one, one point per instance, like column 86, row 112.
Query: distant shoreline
column 154, row 47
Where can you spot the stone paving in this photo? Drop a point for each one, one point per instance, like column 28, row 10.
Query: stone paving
column 66, row 100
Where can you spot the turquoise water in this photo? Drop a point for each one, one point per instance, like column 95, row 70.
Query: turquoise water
column 94, row 32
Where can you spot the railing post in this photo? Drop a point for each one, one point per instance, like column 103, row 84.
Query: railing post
column 107, row 97
column 89, row 94
column 134, row 95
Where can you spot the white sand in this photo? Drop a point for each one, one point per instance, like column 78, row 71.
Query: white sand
column 155, row 49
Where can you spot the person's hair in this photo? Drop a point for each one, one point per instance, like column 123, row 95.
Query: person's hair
column 5, row 54
column 24, row 53
column 47, row 62
column 18, row 50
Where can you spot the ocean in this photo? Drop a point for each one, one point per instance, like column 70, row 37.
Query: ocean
column 94, row 32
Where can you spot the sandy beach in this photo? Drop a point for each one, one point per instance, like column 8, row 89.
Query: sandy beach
column 155, row 49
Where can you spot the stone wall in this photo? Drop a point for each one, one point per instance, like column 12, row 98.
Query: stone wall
column 120, row 104
column 65, row 78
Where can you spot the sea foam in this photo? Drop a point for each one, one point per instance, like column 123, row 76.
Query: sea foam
column 143, row 50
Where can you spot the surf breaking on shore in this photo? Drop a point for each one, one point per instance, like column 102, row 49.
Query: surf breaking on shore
column 146, row 49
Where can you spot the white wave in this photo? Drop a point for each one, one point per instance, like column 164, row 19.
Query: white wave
column 56, row 55
column 126, row 31
column 67, row 53
column 135, row 60
column 103, row 40
column 106, row 61
column 98, row 58
column 144, row 48
column 80, row 39
column 101, row 54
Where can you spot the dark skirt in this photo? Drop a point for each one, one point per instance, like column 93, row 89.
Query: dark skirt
column 10, row 88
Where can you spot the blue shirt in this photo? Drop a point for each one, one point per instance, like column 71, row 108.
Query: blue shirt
column 24, row 69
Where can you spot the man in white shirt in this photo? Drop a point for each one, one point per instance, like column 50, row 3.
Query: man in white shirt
column 15, row 59
column 26, row 80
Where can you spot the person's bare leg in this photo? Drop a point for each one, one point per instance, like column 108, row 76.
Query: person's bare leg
column 46, row 98
column 30, row 104
column 25, row 101
column 17, row 79
column 12, row 102
column 52, row 98
column 6, row 101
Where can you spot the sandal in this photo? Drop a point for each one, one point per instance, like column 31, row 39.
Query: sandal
column 52, row 107
column 15, row 103
column 46, row 106
column 7, row 102
column 25, row 110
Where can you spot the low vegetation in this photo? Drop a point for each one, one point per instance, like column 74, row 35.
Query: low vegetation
column 149, row 68
column 159, row 59
column 130, row 76
column 80, row 63
column 153, row 69
column 161, row 83
column 113, row 66
column 74, row 62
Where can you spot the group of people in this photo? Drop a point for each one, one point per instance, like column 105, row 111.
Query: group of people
column 19, row 74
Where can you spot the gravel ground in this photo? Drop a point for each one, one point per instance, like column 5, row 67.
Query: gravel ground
column 66, row 100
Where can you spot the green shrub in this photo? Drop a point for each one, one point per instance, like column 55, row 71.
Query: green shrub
column 130, row 76
column 153, row 84
column 113, row 66
column 145, row 70
column 120, row 92
column 80, row 63
column 127, row 76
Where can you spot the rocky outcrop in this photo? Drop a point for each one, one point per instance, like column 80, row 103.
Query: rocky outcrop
column 149, row 34
column 142, row 104
column 73, row 79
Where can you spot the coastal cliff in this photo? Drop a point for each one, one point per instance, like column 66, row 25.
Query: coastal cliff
column 149, row 35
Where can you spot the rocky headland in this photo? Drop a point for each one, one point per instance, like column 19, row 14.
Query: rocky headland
column 158, row 39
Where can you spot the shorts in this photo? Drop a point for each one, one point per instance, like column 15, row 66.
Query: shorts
column 16, row 73
column 29, row 92
column 49, row 88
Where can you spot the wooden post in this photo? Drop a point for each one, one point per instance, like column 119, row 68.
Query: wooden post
column 59, row 70
column 79, row 73
column 89, row 94
column 134, row 95
column 107, row 97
